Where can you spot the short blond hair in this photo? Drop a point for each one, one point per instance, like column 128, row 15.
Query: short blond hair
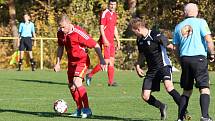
column 137, row 22
column 64, row 18
column 191, row 9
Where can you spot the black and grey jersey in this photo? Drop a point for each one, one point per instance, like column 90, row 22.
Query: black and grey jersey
column 153, row 46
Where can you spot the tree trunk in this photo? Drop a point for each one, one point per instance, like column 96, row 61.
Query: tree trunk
column 12, row 14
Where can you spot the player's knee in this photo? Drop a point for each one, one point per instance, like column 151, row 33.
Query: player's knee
column 169, row 88
column 145, row 97
column 168, row 85
column 112, row 61
column 71, row 87
column 205, row 91
column 77, row 81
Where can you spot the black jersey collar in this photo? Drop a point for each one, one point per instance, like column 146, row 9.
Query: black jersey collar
column 148, row 35
column 190, row 17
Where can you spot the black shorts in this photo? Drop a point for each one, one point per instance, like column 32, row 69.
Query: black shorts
column 155, row 76
column 25, row 43
column 194, row 68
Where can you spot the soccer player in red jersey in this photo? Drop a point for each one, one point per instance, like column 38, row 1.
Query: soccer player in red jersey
column 76, row 40
column 108, row 31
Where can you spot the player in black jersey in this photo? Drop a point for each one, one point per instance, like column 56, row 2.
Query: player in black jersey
column 152, row 48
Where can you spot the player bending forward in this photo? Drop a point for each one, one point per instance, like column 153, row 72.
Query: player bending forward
column 76, row 40
column 152, row 48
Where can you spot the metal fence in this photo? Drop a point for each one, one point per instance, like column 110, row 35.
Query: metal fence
column 41, row 41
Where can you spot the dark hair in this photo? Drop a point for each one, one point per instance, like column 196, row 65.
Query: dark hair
column 112, row 1
column 26, row 13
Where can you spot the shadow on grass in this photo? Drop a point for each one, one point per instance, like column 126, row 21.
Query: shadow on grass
column 121, row 118
column 42, row 114
column 53, row 114
column 40, row 81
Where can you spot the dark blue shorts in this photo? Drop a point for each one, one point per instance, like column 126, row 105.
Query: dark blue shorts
column 25, row 44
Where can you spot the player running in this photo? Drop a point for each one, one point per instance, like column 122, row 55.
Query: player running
column 76, row 40
column 152, row 48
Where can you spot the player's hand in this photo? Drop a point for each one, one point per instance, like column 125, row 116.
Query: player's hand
column 118, row 45
column 140, row 72
column 57, row 67
column 34, row 43
column 211, row 58
column 170, row 46
column 106, row 43
column 103, row 65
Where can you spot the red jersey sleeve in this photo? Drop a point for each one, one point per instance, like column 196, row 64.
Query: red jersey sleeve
column 85, row 39
column 103, row 18
column 60, row 38
column 90, row 43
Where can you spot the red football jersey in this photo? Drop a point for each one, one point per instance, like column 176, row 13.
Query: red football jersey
column 76, row 43
column 108, row 19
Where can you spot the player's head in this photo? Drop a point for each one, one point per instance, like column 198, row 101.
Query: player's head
column 138, row 26
column 65, row 24
column 26, row 17
column 112, row 5
column 191, row 9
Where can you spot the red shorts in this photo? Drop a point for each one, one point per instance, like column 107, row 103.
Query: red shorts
column 109, row 51
column 76, row 71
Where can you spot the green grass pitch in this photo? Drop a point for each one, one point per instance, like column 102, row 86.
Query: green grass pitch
column 29, row 96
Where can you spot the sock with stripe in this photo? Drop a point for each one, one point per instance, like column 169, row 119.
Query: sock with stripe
column 77, row 98
column 84, row 97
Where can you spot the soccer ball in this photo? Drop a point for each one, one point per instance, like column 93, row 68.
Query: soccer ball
column 60, row 106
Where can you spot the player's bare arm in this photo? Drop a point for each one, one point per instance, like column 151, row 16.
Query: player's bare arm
column 170, row 46
column 106, row 42
column 59, row 57
column 102, row 61
column 209, row 40
column 116, row 34
column 140, row 60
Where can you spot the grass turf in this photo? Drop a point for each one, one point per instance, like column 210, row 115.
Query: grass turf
column 29, row 96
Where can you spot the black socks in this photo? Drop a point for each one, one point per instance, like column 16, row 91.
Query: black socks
column 154, row 102
column 204, row 103
column 183, row 106
column 176, row 96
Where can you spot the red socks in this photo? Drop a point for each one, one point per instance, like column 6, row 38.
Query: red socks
column 77, row 99
column 95, row 70
column 110, row 74
column 84, row 96
column 80, row 97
